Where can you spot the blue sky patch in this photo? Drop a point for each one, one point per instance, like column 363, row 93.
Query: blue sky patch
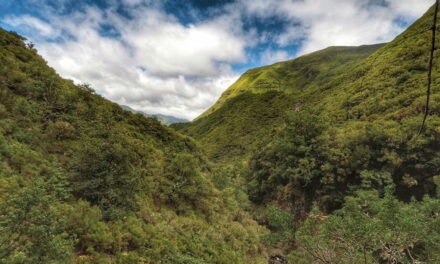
column 176, row 57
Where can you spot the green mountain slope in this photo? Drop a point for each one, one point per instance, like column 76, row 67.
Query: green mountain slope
column 297, row 76
column 344, row 83
column 357, row 93
column 84, row 181
column 335, row 133
column 251, row 110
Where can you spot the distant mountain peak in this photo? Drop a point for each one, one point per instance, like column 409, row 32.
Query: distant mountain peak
column 164, row 119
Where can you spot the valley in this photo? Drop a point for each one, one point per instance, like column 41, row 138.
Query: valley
column 313, row 160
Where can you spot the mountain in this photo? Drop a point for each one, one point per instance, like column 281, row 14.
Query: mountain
column 164, row 119
column 249, row 113
column 352, row 91
column 84, row 181
column 168, row 120
column 295, row 76
column 366, row 83
column 333, row 152
column 320, row 159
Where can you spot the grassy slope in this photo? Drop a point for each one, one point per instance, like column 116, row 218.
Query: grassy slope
column 370, row 110
column 344, row 83
column 249, row 112
column 132, row 190
column 296, row 76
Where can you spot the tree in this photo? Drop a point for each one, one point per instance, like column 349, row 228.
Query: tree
column 370, row 229
column 32, row 226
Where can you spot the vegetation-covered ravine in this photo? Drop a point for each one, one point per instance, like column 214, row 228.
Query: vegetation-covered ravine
column 330, row 150
column 316, row 160
column 84, row 181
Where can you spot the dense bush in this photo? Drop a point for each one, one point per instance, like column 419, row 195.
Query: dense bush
column 331, row 124
column 370, row 229
column 83, row 181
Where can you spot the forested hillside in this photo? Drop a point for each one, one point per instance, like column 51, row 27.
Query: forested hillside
column 343, row 83
column 320, row 159
column 330, row 149
column 84, row 181
column 249, row 112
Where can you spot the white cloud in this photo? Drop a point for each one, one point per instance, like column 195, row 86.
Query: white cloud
column 410, row 8
column 166, row 47
column 271, row 56
column 32, row 23
column 156, row 64
column 322, row 23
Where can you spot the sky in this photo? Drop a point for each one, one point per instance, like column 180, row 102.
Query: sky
column 176, row 57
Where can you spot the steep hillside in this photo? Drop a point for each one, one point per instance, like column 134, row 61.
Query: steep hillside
column 84, row 181
column 304, row 74
column 343, row 83
column 251, row 110
column 326, row 147
column 352, row 93
column 333, row 153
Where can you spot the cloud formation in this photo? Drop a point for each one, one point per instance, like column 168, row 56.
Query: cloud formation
column 138, row 53
column 318, row 24
column 153, row 62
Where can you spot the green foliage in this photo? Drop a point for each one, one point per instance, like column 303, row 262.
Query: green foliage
column 323, row 165
column 281, row 225
column 369, row 229
column 32, row 226
column 243, row 125
column 251, row 111
column 84, row 181
column 186, row 183
column 331, row 124
column 296, row 76
column 351, row 115
column 289, row 168
column 102, row 173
